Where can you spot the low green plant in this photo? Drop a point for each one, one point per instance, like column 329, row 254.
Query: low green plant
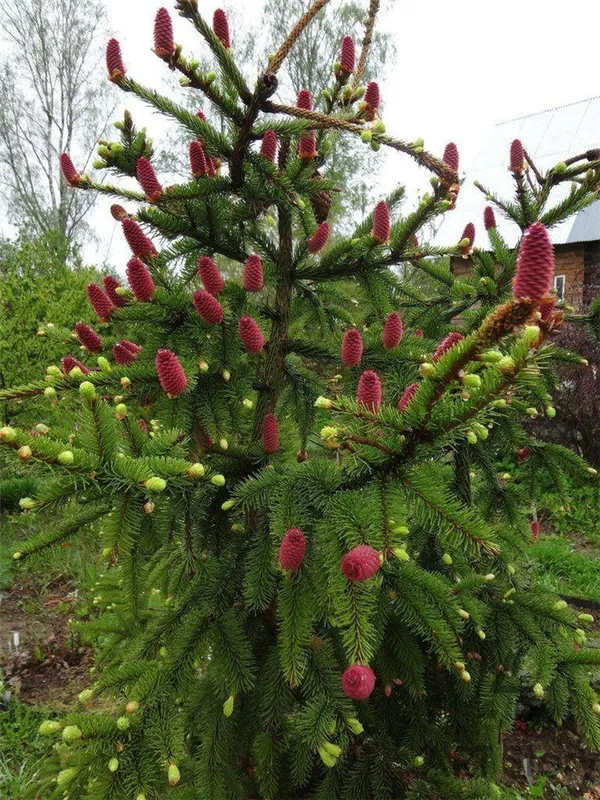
column 21, row 749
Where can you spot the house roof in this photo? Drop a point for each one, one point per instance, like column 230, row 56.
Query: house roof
column 549, row 137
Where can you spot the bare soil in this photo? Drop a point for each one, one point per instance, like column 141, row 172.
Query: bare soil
column 48, row 666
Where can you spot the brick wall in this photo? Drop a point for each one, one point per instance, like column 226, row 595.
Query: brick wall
column 578, row 263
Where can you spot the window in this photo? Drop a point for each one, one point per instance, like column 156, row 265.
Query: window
column 559, row 286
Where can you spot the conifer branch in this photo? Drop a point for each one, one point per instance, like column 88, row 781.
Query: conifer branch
column 279, row 57
column 366, row 43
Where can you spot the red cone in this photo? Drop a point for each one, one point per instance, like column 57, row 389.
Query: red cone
column 111, row 284
column 469, row 233
column 210, row 276
column 201, row 116
column 304, row 100
column 352, row 348
column 446, row 344
column 319, row 238
column 360, row 563
column 369, row 390
column 358, row 682
column 372, row 99
column 131, row 346
column 347, row 55
column 307, row 146
column 148, row 180
column 69, row 362
column 197, row 159
column 208, row 307
column 268, row 147
column 489, row 218
column 251, row 335
column 535, row 264
column 517, row 157
column 292, row 549
column 140, row 280
column 68, row 169
column 221, row 28
column 546, row 309
column 381, row 223
column 170, row 373
column 407, row 396
column 114, row 61
column 164, row 44
column 99, row 302
column 122, row 354
column 270, row 434
column 88, row 337
column 253, row 277
column 140, row 244
column 392, row 331
column 450, row 156
column 418, row 333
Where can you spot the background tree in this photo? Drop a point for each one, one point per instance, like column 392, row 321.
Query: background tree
column 314, row 582
column 353, row 168
column 52, row 99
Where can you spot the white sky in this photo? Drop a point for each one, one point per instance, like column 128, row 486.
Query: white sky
column 461, row 67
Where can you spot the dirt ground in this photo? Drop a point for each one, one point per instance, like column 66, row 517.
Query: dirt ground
column 47, row 666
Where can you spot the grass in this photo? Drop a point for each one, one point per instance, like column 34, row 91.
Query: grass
column 562, row 568
column 22, row 749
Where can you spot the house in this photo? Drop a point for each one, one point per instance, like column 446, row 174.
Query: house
column 549, row 137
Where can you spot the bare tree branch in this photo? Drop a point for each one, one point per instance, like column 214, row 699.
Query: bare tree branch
column 53, row 99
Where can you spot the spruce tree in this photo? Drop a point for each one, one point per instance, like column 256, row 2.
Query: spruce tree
column 314, row 581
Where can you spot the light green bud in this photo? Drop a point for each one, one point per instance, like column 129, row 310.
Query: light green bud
column 419, row 761
column 471, row 437
column 173, row 775
column 227, row 505
column 155, row 484
column 49, row 391
column 24, row 452
column 400, row 530
column 506, row 364
column 531, row 412
column 323, row 402
column 17, row 555
column 196, row 471
column 121, row 411
column 113, row 764
column 66, row 457
column 123, row 723
column 26, row 503
column 447, row 559
column 76, row 372
column 326, row 757
column 8, row 434
column 247, row 403
column 354, row 725
column 401, row 554
column 481, row 431
column 465, row 676
column 41, row 428
column 86, row 389
column 531, row 334
column 54, row 371
column 538, row 690
column 462, row 613
column 560, row 605
column 426, row 370
column 71, row 733
column 472, row 381
column 228, row 705
column 550, row 412
column 367, row 136
column 85, row 695
column 103, row 364
column 218, row 480
column 49, row 726
column 65, row 776
column 490, row 356
column 585, row 617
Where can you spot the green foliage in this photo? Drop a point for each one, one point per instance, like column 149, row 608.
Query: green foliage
column 226, row 667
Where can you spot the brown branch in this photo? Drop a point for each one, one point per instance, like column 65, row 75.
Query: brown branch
column 279, row 57
column 318, row 121
column 539, row 177
column 364, row 53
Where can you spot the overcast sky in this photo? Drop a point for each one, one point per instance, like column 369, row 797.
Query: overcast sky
column 461, row 67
